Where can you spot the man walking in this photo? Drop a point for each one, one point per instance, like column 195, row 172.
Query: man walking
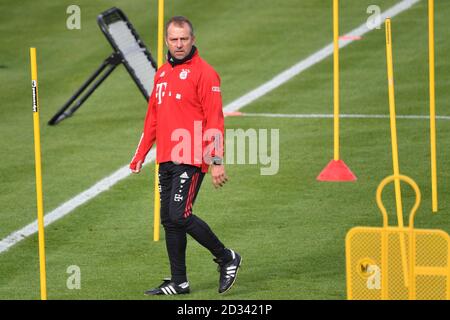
column 185, row 118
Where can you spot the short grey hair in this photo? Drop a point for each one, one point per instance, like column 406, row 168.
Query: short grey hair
column 179, row 21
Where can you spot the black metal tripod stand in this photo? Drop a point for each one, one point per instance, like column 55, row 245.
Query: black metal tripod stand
column 109, row 64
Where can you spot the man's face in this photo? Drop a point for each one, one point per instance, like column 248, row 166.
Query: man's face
column 179, row 40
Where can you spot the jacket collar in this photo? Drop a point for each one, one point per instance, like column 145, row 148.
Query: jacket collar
column 174, row 61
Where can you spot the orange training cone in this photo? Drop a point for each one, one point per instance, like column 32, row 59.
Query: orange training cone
column 336, row 170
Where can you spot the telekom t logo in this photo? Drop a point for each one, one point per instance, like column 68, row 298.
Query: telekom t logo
column 160, row 91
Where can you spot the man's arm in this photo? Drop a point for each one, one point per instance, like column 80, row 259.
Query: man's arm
column 211, row 98
column 148, row 136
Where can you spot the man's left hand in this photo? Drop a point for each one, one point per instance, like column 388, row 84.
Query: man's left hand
column 219, row 177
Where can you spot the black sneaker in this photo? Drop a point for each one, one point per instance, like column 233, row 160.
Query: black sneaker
column 228, row 271
column 168, row 287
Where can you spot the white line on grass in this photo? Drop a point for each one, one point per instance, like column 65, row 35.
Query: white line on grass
column 124, row 172
column 70, row 205
column 348, row 116
column 314, row 58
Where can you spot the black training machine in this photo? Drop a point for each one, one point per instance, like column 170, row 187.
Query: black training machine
column 128, row 50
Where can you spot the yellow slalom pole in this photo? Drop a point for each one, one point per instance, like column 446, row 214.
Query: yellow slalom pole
column 434, row 194
column 336, row 77
column 398, row 196
column 37, row 153
column 160, row 32
column 157, row 204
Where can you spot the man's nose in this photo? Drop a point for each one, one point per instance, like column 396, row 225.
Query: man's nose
column 179, row 43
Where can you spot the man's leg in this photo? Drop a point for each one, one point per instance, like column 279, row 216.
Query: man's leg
column 175, row 235
column 185, row 187
column 186, row 182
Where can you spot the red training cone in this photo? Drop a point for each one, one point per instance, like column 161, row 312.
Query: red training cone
column 336, row 171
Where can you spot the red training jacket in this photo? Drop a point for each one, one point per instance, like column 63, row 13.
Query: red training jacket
column 184, row 115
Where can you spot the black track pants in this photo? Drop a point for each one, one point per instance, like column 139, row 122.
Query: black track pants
column 179, row 185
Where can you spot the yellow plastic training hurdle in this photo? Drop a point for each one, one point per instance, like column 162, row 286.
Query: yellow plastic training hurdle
column 374, row 265
column 397, row 262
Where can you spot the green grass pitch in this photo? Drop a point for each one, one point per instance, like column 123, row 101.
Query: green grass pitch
column 289, row 228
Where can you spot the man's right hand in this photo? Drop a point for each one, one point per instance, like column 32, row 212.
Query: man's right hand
column 138, row 167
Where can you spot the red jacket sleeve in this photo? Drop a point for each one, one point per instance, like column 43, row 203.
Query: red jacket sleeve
column 148, row 136
column 211, row 100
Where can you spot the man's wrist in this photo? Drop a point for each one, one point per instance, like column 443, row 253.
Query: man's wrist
column 217, row 161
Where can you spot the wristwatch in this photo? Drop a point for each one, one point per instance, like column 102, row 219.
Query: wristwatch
column 217, row 161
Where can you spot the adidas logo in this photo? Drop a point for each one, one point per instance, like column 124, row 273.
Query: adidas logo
column 184, row 176
column 169, row 288
column 184, row 285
